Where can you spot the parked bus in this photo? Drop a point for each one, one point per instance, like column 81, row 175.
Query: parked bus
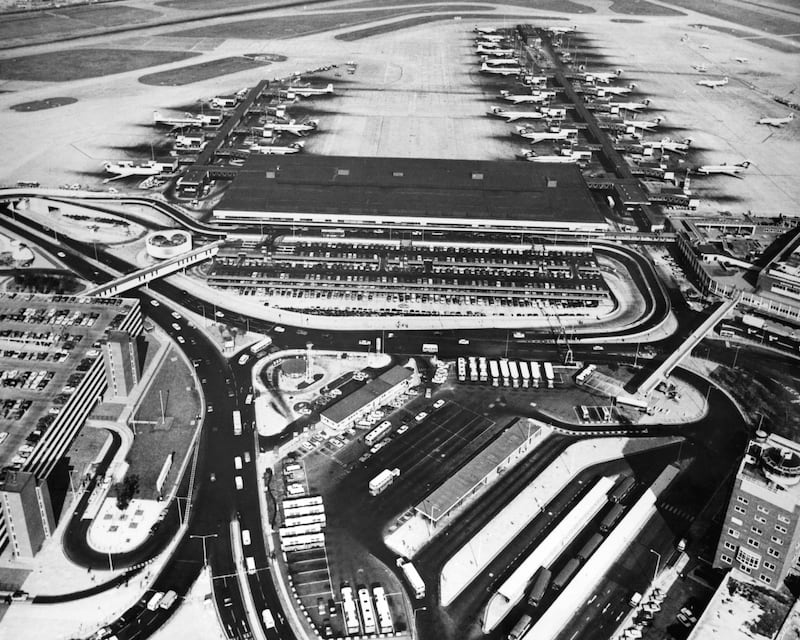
column 565, row 575
column 260, row 346
column 540, row 585
column 590, row 547
column 611, row 518
column 522, row 626
column 623, row 488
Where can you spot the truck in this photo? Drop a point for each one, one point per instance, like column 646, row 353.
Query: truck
column 482, row 369
column 367, row 612
column 385, row 623
column 381, row 482
column 269, row 620
column 237, row 423
column 753, row 321
column 536, row 373
column 155, row 599
column 590, row 547
column 630, row 401
column 540, row 585
column 505, row 373
column 494, row 369
column 250, row 563
column 522, row 626
column 412, row 577
column 473, row 369
column 351, row 622
column 525, row 372
column 548, row 374
column 430, row 348
column 612, row 517
column 565, row 575
column 621, row 491
column 514, row 369
column 378, row 433
column 168, row 600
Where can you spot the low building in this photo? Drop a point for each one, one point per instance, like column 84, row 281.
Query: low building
column 371, row 396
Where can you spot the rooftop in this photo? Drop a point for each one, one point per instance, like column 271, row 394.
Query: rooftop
column 417, row 187
column 348, row 405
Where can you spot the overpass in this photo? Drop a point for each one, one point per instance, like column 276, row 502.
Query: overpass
column 672, row 361
column 164, row 268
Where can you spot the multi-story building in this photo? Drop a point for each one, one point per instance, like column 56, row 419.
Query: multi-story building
column 57, row 354
column 761, row 532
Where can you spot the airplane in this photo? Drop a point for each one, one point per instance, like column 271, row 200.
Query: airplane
column 559, row 30
column 647, row 125
column 604, row 77
column 125, row 168
column 188, row 120
column 538, row 96
column 305, row 92
column 700, row 68
column 724, row 169
column 615, row 91
column 494, row 51
column 555, row 133
column 499, row 62
column 668, row 144
column 530, row 156
column 485, row 30
column 269, row 149
column 776, row 122
column 713, row 83
column 741, row 60
column 705, row 46
column 220, row 102
column 630, row 106
column 501, row 71
column 490, row 37
column 293, row 127
column 513, row 116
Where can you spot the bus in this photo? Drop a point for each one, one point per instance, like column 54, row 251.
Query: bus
column 726, row 330
column 430, row 348
column 611, row 518
column 565, row 575
column 237, row 423
column 540, row 585
column 623, row 488
column 590, row 547
column 260, row 346
column 520, row 628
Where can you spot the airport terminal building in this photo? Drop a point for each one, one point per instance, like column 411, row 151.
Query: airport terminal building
column 61, row 355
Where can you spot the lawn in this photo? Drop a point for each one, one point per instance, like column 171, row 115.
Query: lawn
column 563, row 6
column 152, row 444
column 350, row 36
column 642, row 8
column 77, row 64
column 215, row 5
column 39, row 105
column 203, row 71
column 767, row 22
column 784, row 45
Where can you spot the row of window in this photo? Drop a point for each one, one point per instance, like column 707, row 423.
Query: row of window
column 761, row 509
column 775, row 553
column 764, row 578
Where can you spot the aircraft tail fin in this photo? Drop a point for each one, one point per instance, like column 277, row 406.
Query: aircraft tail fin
column 744, row 164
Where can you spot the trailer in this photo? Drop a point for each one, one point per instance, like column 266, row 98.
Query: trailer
column 351, row 622
column 630, row 401
column 303, row 542
column 536, row 373
column 565, row 575
column 473, row 369
column 300, row 521
column 430, row 348
column 590, row 547
column 622, row 489
column 378, row 433
column 521, row 628
column 514, row 369
column 612, row 517
column 462, row 369
column 494, row 369
column 540, row 585
column 412, row 577
column 525, row 372
column 483, row 373
column 548, row 374
column 385, row 623
column 305, row 501
column 367, row 612
column 237, row 423
column 505, row 373
column 381, row 482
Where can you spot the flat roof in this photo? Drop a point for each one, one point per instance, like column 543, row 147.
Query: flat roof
column 348, row 405
column 449, row 494
column 418, row 187
column 54, row 339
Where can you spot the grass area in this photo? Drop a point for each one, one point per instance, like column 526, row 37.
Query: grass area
column 65, row 22
column 783, row 45
column 215, row 5
column 294, row 26
column 77, row 64
column 642, row 8
column 40, row 105
column 151, row 444
column 563, row 6
column 350, row 36
column 746, row 17
column 203, row 71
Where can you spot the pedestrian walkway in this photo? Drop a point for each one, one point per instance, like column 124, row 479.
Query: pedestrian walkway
column 117, row 531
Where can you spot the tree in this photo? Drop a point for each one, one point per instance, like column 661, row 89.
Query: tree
column 126, row 489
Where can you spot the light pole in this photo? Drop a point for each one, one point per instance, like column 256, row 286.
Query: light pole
column 414, row 616
column 736, row 356
column 658, row 563
column 203, row 538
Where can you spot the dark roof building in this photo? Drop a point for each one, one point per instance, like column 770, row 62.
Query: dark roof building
column 409, row 192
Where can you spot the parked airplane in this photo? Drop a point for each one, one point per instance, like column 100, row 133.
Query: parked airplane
column 501, row 71
column 713, row 83
column 668, row 144
column 700, row 68
column 500, row 62
column 493, row 51
column 724, row 169
column 513, row 116
column 125, row 168
column 293, row 127
column 741, row 60
column 630, row 106
column 536, row 96
column 530, row 156
column 554, row 133
column 558, row 30
column 305, row 92
column 618, row 91
column 188, row 120
column 485, row 30
column 490, row 37
column 269, row 149
column 604, row 77
column 646, row 125
column 776, row 122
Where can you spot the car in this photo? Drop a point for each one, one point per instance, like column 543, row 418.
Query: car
column 180, row 340
column 364, row 343
column 321, row 606
column 245, row 537
column 308, row 446
column 176, row 326
column 687, row 612
column 237, row 480
column 597, row 347
column 278, row 329
column 61, row 254
column 176, row 315
column 686, row 621
column 328, row 631
column 403, row 428
column 155, row 303
column 213, row 477
column 210, row 408
column 247, row 456
column 237, row 462
column 438, row 403
column 243, row 359
column 463, row 341
column 421, row 416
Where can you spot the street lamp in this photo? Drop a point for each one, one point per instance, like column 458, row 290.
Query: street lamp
column 658, row 563
column 203, row 538
column 414, row 616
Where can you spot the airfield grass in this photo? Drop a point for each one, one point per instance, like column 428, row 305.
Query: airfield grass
column 202, row 71
column 779, row 44
column 788, row 24
column 215, row 5
column 563, row 6
column 64, row 22
column 351, row 36
column 642, row 8
column 78, row 64
column 39, row 105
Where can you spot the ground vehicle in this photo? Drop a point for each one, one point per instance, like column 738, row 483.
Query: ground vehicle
column 384, row 614
column 320, row 606
column 238, row 482
column 257, row 347
column 681, row 546
column 152, row 603
column 176, row 326
column 421, row 416
column 611, row 517
column 248, row 398
column 629, row 401
column 403, row 428
column 352, row 624
column 381, row 482
column 176, row 315
column 412, row 577
column 278, row 329
column 590, row 547
column 565, row 575
column 168, row 600
column 250, row 563
column 243, row 359
column 247, row 456
column 245, row 537
column 269, row 621
column 636, row 598
column 430, row 348
column 463, row 341
column 365, row 343
column 438, row 403
column 523, row 624
column 623, row 488
column 549, row 374
column 598, row 347
column 367, row 612
column 237, row 423
column 237, row 462
column 539, row 586
column 377, row 433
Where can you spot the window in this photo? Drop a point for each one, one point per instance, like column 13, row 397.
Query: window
column 757, row 531
column 762, row 509
column 765, row 579
column 739, row 509
column 736, row 521
column 774, row 553
column 753, row 543
column 729, row 546
column 726, row 559
column 783, row 519
column 780, row 529
column 741, row 499
column 733, row 533
column 769, row 566
column 745, row 568
column 761, row 519
column 776, row 540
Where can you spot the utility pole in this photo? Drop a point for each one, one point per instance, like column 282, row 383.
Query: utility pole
column 203, row 538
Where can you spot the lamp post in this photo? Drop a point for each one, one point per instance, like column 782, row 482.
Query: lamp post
column 414, row 616
column 203, row 538
column 658, row 563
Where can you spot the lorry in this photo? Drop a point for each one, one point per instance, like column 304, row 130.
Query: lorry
column 514, row 369
column 168, row 600
column 548, row 374
column 494, row 369
column 155, row 599
column 505, row 373
column 430, row 348
column 412, row 577
column 536, row 373
column 381, row 482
